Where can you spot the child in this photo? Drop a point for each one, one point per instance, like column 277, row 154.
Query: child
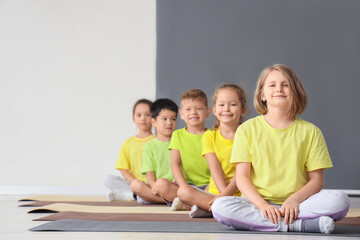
column 130, row 158
column 229, row 108
column 280, row 160
column 187, row 164
column 156, row 154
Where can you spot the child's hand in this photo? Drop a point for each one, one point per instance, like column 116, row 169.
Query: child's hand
column 271, row 212
column 289, row 210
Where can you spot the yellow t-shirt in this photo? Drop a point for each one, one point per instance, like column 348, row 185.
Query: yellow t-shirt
column 280, row 158
column 194, row 166
column 130, row 157
column 214, row 142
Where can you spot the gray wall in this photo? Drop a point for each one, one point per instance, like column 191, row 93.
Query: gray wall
column 203, row 43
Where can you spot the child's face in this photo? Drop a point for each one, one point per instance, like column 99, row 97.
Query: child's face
column 142, row 117
column 194, row 112
column 165, row 123
column 227, row 108
column 276, row 90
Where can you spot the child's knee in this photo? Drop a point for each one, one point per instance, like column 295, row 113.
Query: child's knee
column 156, row 187
column 227, row 204
column 107, row 180
column 338, row 199
column 343, row 199
column 340, row 204
column 332, row 203
column 219, row 210
column 136, row 186
column 185, row 193
column 160, row 186
column 218, row 204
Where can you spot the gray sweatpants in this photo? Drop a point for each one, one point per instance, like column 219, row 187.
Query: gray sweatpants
column 240, row 213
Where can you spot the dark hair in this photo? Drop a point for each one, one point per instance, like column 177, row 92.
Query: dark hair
column 141, row 101
column 163, row 103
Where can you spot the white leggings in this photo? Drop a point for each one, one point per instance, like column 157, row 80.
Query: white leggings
column 240, row 213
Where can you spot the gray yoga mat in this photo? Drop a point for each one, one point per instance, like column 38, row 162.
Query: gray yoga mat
column 74, row 225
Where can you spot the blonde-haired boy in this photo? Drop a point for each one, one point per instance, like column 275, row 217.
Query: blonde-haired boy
column 188, row 165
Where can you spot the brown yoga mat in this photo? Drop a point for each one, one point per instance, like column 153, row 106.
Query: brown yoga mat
column 64, row 207
column 154, row 217
column 353, row 212
column 115, row 203
column 67, row 198
column 349, row 221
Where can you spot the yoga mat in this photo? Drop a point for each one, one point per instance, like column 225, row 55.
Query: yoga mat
column 353, row 212
column 67, row 198
column 158, row 217
column 116, row 203
column 148, row 217
column 62, row 207
column 349, row 221
column 74, row 225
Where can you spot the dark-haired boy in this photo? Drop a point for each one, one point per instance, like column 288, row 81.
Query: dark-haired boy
column 156, row 153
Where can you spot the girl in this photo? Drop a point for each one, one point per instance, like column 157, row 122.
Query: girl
column 280, row 160
column 130, row 158
column 229, row 108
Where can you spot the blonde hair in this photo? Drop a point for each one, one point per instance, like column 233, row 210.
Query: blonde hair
column 298, row 101
column 242, row 98
column 194, row 93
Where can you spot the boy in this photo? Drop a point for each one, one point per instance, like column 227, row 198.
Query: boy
column 188, row 166
column 156, row 154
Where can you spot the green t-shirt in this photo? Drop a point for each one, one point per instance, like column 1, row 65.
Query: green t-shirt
column 156, row 158
column 280, row 158
column 194, row 166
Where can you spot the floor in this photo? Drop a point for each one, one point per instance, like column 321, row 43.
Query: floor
column 15, row 222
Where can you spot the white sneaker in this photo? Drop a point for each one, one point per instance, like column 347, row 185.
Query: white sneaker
column 178, row 205
column 120, row 196
column 197, row 212
column 326, row 224
column 141, row 201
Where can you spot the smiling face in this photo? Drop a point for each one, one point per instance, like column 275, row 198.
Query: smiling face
column 142, row 117
column 276, row 91
column 194, row 112
column 228, row 108
column 165, row 124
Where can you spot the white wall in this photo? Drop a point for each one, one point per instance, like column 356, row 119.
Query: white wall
column 70, row 71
